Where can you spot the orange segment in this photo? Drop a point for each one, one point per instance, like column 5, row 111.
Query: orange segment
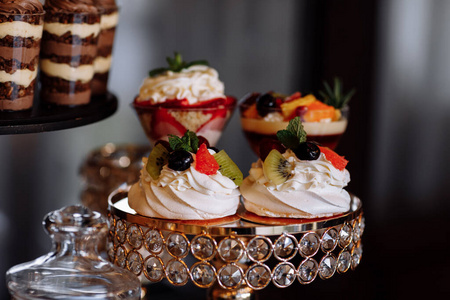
column 318, row 111
column 339, row 162
column 251, row 112
column 337, row 115
column 288, row 108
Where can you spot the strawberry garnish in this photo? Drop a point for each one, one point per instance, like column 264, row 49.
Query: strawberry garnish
column 339, row 162
column 163, row 123
column 218, row 116
column 205, row 162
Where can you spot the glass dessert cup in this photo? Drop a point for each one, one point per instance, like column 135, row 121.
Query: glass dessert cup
column 106, row 168
column 102, row 63
column 19, row 53
column 160, row 121
column 327, row 133
column 67, row 57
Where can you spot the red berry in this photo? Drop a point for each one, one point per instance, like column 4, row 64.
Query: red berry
column 300, row 111
column 278, row 102
column 202, row 140
column 205, row 162
column 267, row 145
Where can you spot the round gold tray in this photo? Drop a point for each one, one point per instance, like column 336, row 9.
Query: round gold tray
column 234, row 253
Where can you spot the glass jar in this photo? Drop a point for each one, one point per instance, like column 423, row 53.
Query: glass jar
column 73, row 269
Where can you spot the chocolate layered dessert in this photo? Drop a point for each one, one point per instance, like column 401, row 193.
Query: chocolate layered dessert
column 21, row 24
column 102, row 64
column 69, row 47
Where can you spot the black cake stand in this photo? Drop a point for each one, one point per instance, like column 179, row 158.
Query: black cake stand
column 48, row 117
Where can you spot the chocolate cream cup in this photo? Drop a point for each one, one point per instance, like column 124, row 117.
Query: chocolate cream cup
column 20, row 42
column 102, row 64
column 69, row 47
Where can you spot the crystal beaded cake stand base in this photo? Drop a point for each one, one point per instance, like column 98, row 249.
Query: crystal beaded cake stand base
column 233, row 256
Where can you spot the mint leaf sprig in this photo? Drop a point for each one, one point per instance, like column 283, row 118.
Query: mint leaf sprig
column 335, row 96
column 188, row 142
column 293, row 135
column 176, row 64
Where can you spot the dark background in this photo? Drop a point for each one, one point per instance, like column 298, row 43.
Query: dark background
column 394, row 52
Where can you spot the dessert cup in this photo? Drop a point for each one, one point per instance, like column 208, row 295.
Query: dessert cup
column 107, row 167
column 102, row 63
column 69, row 48
column 160, row 121
column 20, row 40
column 327, row 134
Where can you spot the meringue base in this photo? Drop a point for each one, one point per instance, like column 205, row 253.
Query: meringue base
column 263, row 212
column 300, row 205
column 145, row 203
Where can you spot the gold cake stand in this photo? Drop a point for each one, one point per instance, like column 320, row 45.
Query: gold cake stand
column 236, row 255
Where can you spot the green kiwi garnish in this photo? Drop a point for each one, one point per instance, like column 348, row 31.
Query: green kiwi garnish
column 228, row 168
column 156, row 160
column 276, row 168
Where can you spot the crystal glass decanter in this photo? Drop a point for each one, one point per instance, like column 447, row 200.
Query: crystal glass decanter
column 73, row 269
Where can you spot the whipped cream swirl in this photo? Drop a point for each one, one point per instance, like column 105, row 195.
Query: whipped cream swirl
column 184, row 195
column 196, row 83
column 21, row 7
column 315, row 189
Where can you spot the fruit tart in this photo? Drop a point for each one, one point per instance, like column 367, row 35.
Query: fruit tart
column 186, row 179
column 295, row 178
column 325, row 120
column 183, row 96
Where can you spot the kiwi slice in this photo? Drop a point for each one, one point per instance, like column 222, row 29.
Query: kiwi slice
column 158, row 157
column 276, row 168
column 228, row 168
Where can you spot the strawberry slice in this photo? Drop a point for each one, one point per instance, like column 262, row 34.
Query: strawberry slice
column 219, row 115
column 339, row 162
column 163, row 123
column 174, row 103
column 205, row 162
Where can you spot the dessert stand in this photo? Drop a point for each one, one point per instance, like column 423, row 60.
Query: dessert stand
column 45, row 117
column 233, row 256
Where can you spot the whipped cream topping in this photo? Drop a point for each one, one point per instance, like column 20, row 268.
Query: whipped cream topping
column 196, row 83
column 315, row 189
column 184, row 195
column 21, row 7
column 79, row 6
